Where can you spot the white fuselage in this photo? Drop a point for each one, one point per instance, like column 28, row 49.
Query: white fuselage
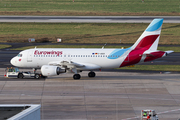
column 105, row 58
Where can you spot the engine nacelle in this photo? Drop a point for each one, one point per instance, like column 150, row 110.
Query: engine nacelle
column 48, row 70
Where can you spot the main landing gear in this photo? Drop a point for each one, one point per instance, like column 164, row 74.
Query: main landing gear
column 78, row 76
column 91, row 74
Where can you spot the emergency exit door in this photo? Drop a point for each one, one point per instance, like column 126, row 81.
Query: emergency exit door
column 29, row 56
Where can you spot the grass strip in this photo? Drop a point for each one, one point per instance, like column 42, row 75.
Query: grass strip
column 90, row 7
column 4, row 46
column 84, row 33
column 154, row 67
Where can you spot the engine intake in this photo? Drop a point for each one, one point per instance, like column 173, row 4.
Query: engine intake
column 48, row 70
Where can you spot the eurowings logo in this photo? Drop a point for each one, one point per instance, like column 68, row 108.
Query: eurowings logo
column 48, row 52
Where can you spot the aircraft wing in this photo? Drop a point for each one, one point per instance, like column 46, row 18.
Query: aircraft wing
column 67, row 64
column 74, row 66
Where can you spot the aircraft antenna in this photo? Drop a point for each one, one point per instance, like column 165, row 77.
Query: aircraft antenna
column 104, row 45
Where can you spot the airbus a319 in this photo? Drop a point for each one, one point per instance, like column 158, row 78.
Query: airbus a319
column 54, row 61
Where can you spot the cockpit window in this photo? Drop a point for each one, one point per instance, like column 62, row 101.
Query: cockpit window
column 19, row 55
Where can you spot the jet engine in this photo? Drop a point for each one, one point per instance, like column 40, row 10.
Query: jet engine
column 48, row 70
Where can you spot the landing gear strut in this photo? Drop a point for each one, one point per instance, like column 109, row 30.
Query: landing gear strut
column 91, row 74
column 76, row 76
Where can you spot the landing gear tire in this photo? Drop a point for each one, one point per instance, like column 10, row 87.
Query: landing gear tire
column 37, row 76
column 91, row 74
column 76, row 76
column 21, row 76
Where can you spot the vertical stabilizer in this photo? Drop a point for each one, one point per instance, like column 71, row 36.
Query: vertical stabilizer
column 150, row 38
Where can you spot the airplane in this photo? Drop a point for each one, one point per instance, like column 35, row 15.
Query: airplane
column 55, row 61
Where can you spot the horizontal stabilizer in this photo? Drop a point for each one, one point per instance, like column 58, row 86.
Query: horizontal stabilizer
column 169, row 51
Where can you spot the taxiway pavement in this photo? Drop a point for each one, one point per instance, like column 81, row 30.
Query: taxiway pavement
column 88, row 19
column 108, row 96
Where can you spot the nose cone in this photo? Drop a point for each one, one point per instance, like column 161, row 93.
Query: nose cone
column 13, row 61
column 16, row 61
